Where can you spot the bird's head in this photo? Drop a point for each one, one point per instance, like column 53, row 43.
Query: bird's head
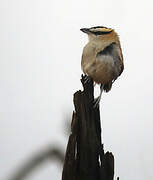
column 99, row 32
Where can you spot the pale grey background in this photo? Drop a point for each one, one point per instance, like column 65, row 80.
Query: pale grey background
column 40, row 53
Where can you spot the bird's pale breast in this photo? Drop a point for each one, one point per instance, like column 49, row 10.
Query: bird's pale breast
column 105, row 65
column 104, row 70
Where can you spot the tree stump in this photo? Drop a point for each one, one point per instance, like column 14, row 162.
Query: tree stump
column 85, row 158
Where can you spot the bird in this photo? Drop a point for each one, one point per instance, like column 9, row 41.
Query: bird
column 102, row 57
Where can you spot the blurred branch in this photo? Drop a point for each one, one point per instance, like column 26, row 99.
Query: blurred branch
column 40, row 158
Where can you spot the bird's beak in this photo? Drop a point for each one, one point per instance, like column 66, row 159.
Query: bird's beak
column 85, row 30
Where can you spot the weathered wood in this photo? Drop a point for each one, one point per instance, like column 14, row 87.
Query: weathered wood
column 69, row 169
column 85, row 158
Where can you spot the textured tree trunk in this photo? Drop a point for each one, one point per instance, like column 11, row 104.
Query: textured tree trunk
column 85, row 158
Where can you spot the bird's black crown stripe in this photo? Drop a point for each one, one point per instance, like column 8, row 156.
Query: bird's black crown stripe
column 98, row 27
column 100, row 32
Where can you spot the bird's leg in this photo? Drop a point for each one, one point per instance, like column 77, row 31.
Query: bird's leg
column 97, row 100
column 94, row 84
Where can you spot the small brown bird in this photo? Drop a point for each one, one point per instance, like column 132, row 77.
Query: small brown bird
column 102, row 57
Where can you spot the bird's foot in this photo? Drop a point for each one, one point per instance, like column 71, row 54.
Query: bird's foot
column 87, row 79
column 96, row 102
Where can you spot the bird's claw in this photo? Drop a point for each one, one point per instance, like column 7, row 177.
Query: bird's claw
column 87, row 79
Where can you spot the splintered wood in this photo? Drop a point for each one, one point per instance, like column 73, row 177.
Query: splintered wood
column 85, row 158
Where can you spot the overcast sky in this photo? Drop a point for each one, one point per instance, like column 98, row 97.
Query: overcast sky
column 40, row 54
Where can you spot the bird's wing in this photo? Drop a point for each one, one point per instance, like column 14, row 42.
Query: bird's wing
column 122, row 61
column 114, row 52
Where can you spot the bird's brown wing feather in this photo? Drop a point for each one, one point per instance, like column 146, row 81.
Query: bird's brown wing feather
column 115, row 52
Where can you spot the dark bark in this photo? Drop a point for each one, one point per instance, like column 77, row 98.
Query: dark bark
column 85, row 158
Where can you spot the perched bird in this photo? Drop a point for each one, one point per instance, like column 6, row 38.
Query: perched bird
column 102, row 57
